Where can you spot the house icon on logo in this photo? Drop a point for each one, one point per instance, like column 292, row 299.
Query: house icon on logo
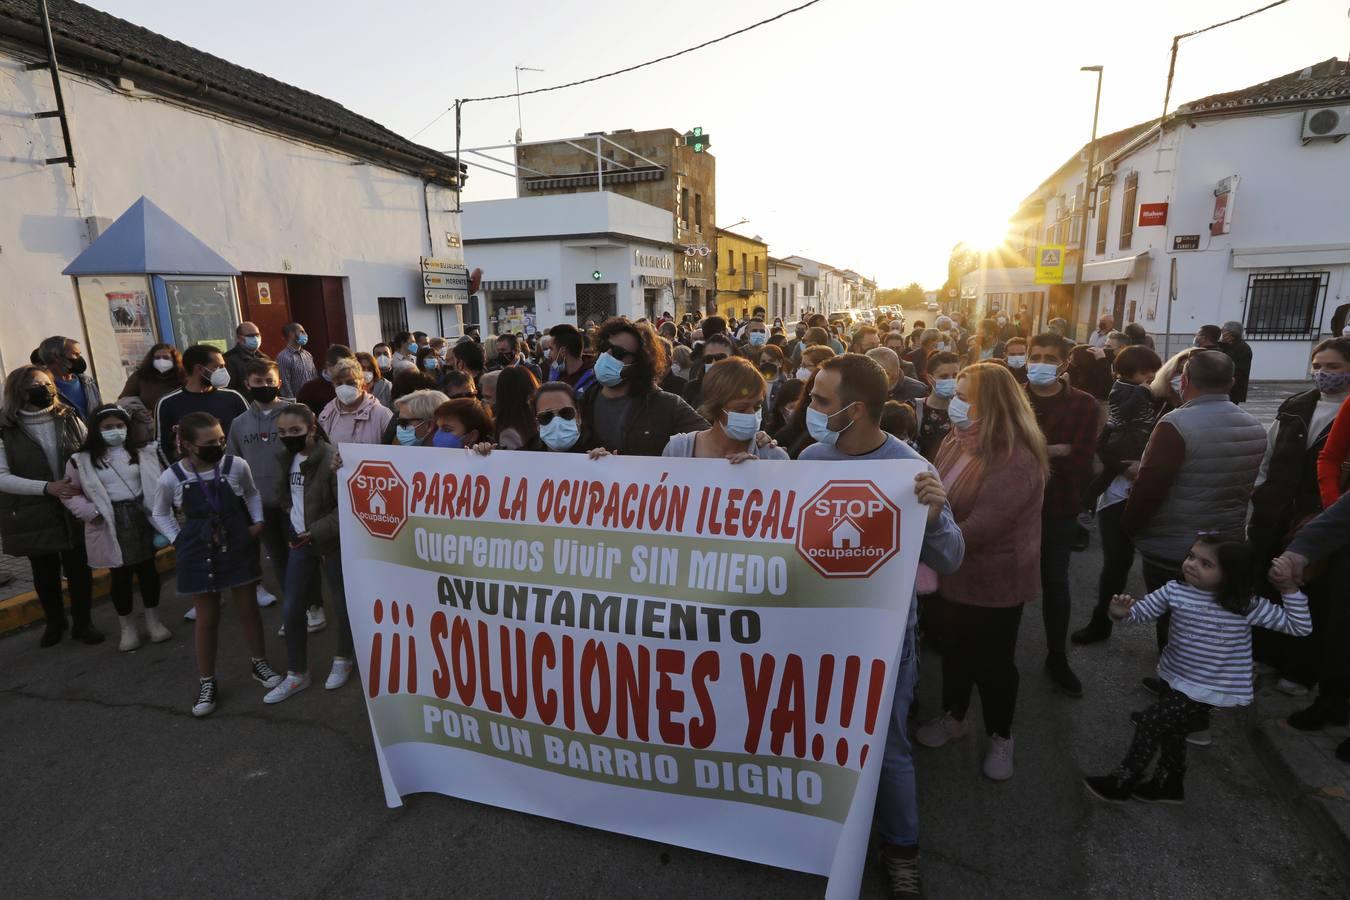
column 377, row 504
column 845, row 533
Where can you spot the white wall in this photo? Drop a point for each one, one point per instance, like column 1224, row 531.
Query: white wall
column 259, row 200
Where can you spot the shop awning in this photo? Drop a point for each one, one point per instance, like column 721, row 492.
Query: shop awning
column 146, row 240
column 1291, row 255
column 655, row 281
column 1121, row 269
column 516, row 284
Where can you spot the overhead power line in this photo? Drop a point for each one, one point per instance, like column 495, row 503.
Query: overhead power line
column 623, row 71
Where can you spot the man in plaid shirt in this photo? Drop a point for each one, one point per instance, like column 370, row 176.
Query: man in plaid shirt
column 1069, row 419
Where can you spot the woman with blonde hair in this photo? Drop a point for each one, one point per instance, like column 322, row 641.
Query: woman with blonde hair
column 733, row 401
column 993, row 465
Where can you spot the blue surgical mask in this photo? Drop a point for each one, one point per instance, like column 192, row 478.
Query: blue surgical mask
column 114, row 437
column 560, row 433
column 302, row 340
column 431, row 363
column 412, row 348
column 945, row 387
column 252, row 342
column 742, row 426
column 818, row 424
column 959, row 413
column 1042, row 374
column 406, row 435
column 608, row 370
column 1017, row 362
column 758, row 339
column 447, row 440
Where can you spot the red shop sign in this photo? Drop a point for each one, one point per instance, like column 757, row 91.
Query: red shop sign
column 1152, row 214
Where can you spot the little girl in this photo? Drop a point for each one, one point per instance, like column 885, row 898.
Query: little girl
column 117, row 475
column 217, row 544
column 1207, row 661
column 308, row 497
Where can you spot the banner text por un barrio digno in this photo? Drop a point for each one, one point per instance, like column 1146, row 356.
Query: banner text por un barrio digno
column 607, row 688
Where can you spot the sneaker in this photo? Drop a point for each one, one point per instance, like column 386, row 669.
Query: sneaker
column 281, row 632
column 902, row 870
column 939, row 731
column 1113, row 788
column 206, row 698
column 190, row 615
column 1093, row 632
column 338, row 675
column 1292, row 688
column 1163, row 787
column 158, row 633
column 265, row 597
column 1057, row 664
column 1319, row 716
column 264, row 674
column 1201, row 738
column 315, row 619
column 293, row 683
column 998, row 762
column 1153, row 685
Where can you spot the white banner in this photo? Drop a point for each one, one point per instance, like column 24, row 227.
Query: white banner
column 680, row 650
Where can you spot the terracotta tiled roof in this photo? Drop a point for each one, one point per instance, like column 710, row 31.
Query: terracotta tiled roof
column 1325, row 83
column 97, row 43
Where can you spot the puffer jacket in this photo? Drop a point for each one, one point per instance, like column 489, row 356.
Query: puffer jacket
column 37, row 524
column 94, row 507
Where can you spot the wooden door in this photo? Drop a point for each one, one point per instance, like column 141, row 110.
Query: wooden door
column 266, row 303
column 307, row 306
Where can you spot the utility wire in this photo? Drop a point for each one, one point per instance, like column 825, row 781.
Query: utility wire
column 1254, row 12
column 627, row 69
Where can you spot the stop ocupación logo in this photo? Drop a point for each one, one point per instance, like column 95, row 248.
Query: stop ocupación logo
column 848, row 529
column 379, row 498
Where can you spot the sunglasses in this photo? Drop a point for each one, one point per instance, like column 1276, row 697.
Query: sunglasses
column 710, row 359
column 619, row 353
column 471, row 395
column 567, row 414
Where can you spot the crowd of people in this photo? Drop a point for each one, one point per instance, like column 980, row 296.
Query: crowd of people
column 1034, row 441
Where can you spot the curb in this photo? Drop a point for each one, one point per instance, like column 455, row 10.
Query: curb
column 1325, row 812
column 24, row 609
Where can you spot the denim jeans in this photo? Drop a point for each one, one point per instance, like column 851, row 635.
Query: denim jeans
column 897, row 797
column 303, row 567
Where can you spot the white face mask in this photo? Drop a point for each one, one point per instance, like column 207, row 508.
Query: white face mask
column 347, row 393
column 368, row 376
column 1175, row 382
column 803, row 373
column 220, row 378
column 383, row 362
column 163, row 366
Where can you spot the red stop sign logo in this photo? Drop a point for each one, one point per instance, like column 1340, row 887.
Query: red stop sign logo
column 848, row 529
column 379, row 498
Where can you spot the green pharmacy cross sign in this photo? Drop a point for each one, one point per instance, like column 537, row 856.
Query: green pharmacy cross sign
column 698, row 140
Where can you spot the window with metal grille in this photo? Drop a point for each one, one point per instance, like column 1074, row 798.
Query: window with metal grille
column 1286, row 307
column 1103, row 217
column 393, row 317
column 1127, row 210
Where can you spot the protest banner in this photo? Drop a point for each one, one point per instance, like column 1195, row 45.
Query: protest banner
column 675, row 649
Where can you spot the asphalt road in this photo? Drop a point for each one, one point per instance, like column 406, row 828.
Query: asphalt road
column 111, row 788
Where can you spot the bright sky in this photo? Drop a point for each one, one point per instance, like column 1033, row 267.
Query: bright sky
column 870, row 134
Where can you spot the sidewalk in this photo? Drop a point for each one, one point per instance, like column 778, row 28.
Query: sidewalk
column 1306, row 762
column 19, row 606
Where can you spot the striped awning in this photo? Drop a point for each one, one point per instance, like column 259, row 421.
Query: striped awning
column 516, row 284
column 589, row 179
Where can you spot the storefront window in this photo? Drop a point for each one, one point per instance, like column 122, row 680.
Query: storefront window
column 511, row 311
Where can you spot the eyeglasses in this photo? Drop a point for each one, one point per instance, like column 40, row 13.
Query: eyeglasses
column 710, row 359
column 567, row 414
column 620, row 353
column 410, row 423
column 471, row 395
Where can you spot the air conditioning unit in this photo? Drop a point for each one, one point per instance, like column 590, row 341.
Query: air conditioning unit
column 1329, row 122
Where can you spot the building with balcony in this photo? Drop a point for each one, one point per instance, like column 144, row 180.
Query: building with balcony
column 653, row 167
column 742, row 274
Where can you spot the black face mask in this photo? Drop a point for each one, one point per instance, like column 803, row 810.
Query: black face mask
column 265, row 394
column 295, row 443
column 76, row 366
column 211, row 455
column 41, row 395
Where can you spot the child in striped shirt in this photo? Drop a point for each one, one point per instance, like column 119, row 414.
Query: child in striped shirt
column 1207, row 661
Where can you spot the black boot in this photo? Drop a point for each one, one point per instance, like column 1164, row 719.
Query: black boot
column 86, row 633
column 55, row 614
column 1318, row 716
column 1095, row 631
column 51, row 635
column 1163, row 787
column 1057, row 664
column 1116, row 787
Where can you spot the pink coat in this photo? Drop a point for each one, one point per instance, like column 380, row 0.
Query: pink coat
column 94, row 507
column 364, row 426
column 1002, row 530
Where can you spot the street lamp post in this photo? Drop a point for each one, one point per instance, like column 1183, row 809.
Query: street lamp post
column 1088, row 189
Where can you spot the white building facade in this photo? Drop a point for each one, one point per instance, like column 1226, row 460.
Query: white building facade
column 575, row 258
column 326, row 214
column 783, row 290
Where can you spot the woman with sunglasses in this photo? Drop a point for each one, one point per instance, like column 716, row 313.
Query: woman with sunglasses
column 557, row 417
column 415, row 421
column 734, row 393
column 629, row 414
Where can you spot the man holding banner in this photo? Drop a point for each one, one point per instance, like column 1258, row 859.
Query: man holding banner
column 845, row 419
column 673, row 650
